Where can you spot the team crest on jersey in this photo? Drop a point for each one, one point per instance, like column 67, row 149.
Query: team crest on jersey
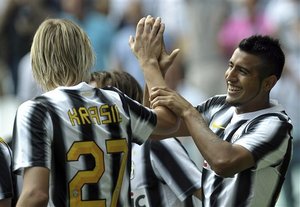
column 237, row 135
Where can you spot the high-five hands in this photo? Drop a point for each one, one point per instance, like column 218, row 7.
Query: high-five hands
column 148, row 44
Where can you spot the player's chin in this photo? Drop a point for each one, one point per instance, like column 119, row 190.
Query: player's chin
column 233, row 101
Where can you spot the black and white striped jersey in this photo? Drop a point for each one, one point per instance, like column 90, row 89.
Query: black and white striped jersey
column 266, row 134
column 6, row 182
column 83, row 135
column 163, row 175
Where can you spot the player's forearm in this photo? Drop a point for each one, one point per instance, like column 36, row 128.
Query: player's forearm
column 152, row 73
column 37, row 200
column 152, row 76
column 35, row 190
column 218, row 153
column 167, row 121
column 146, row 101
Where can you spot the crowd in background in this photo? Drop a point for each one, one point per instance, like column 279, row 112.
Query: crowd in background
column 206, row 31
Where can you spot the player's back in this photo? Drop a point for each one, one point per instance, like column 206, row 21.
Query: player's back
column 82, row 135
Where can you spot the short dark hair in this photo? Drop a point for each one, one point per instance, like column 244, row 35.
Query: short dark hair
column 268, row 50
column 122, row 80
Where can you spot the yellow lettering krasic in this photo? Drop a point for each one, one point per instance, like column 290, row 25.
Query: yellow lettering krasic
column 105, row 114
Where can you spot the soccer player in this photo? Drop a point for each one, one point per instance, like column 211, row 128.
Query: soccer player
column 162, row 173
column 244, row 136
column 73, row 142
column 6, row 181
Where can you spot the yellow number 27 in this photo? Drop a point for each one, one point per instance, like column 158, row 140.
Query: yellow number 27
column 92, row 176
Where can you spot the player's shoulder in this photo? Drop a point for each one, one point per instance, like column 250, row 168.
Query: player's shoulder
column 29, row 105
column 112, row 92
column 217, row 101
column 279, row 119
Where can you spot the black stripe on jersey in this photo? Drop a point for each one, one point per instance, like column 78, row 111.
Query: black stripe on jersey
column 130, row 138
column 218, row 187
column 189, row 202
column 140, row 111
column 58, row 149
column 114, row 128
column 87, row 135
column 242, row 194
column 115, row 132
column 153, row 190
column 176, row 171
column 275, row 141
column 37, row 119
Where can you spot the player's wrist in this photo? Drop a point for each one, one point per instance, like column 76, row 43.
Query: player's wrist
column 188, row 113
column 145, row 63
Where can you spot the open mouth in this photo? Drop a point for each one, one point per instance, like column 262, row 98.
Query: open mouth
column 233, row 89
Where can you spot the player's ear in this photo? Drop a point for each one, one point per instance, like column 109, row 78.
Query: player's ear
column 269, row 82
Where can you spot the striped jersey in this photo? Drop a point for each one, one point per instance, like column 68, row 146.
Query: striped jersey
column 266, row 134
column 163, row 175
column 6, row 180
column 83, row 135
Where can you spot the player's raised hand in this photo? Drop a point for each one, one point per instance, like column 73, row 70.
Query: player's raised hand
column 147, row 44
column 165, row 59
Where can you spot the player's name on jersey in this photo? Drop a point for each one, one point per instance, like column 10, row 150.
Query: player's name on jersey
column 105, row 114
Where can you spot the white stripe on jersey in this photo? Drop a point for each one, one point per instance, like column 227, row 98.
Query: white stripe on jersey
column 81, row 132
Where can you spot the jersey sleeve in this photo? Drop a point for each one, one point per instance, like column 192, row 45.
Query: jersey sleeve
column 6, row 186
column 267, row 140
column 32, row 137
column 173, row 166
column 143, row 121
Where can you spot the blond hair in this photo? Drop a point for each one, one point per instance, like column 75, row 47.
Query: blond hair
column 61, row 54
